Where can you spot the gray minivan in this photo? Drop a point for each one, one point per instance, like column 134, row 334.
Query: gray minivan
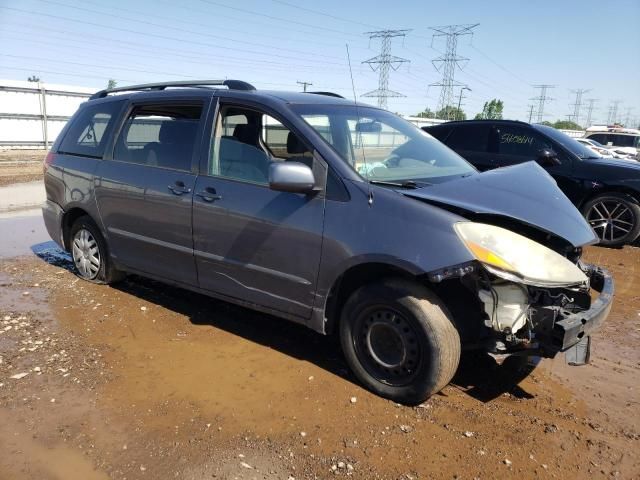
column 333, row 214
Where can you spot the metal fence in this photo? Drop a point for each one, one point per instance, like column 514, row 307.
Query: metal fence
column 32, row 114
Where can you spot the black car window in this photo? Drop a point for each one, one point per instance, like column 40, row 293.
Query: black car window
column 159, row 136
column 440, row 132
column 469, row 137
column 89, row 132
column 599, row 137
column 520, row 141
column 623, row 140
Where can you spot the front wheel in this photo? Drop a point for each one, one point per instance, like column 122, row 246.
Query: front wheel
column 614, row 217
column 399, row 340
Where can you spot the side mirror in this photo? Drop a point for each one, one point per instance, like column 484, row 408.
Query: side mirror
column 292, row 177
column 548, row 158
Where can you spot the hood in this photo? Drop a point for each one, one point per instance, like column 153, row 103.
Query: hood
column 524, row 192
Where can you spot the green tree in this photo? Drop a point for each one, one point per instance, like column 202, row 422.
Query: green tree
column 427, row 113
column 492, row 110
column 451, row 113
column 111, row 84
column 566, row 125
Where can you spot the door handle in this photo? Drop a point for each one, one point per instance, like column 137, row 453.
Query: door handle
column 209, row 194
column 179, row 188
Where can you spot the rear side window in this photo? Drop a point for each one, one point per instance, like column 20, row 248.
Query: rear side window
column 519, row 141
column 160, row 136
column 89, row 133
column 473, row 138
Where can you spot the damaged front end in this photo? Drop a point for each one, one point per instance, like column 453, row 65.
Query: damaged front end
column 535, row 301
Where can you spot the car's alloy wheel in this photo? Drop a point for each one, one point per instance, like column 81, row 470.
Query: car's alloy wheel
column 86, row 254
column 614, row 220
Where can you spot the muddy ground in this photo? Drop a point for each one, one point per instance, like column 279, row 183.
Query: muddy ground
column 17, row 166
column 147, row 381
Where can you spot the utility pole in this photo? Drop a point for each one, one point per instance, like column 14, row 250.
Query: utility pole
column 590, row 108
column 577, row 105
column 383, row 63
column 447, row 62
column 542, row 100
column 304, row 85
column 460, row 97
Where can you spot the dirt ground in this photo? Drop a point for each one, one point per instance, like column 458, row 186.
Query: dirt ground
column 142, row 380
column 18, row 166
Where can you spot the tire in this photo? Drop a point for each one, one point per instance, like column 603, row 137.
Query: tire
column 614, row 217
column 399, row 340
column 90, row 253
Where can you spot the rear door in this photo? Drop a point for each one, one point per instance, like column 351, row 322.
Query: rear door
column 145, row 190
column 254, row 244
column 472, row 142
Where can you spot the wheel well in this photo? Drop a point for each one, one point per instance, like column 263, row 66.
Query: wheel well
column 67, row 222
column 634, row 195
column 350, row 281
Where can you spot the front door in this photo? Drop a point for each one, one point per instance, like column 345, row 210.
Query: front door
column 519, row 144
column 251, row 243
column 145, row 191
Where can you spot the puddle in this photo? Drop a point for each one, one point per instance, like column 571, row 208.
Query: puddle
column 19, row 231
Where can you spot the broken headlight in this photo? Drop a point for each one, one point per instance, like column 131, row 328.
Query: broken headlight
column 516, row 258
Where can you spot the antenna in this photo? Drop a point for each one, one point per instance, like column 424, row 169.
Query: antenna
column 364, row 158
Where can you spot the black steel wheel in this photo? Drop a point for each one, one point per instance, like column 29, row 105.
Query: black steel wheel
column 614, row 217
column 399, row 340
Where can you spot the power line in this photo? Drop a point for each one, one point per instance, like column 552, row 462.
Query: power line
column 382, row 63
column 317, row 12
column 449, row 60
column 542, row 100
column 165, row 37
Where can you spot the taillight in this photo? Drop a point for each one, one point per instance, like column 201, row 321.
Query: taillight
column 48, row 160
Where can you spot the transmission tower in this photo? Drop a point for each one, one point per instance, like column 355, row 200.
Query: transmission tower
column 542, row 100
column 627, row 118
column 613, row 112
column 383, row 63
column 530, row 111
column 577, row 105
column 590, row 108
column 447, row 62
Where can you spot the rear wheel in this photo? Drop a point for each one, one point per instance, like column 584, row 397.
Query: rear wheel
column 614, row 217
column 399, row 340
column 90, row 254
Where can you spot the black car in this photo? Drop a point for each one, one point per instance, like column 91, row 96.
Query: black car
column 607, row 191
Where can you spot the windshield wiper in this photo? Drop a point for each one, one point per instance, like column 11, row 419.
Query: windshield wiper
column 410, row 184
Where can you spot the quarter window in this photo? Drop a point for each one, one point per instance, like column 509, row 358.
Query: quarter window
column 89, row 131
column 160, row 136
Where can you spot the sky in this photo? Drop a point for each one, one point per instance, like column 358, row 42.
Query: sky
column 274, row 44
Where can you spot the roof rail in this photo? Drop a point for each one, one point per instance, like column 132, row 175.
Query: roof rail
column 231, row 84
column 328, row 94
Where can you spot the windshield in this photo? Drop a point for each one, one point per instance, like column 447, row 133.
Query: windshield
column 571, row 144
column 381, row 146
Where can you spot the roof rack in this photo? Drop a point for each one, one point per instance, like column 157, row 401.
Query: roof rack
column 230, row 84
column 328, row 94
